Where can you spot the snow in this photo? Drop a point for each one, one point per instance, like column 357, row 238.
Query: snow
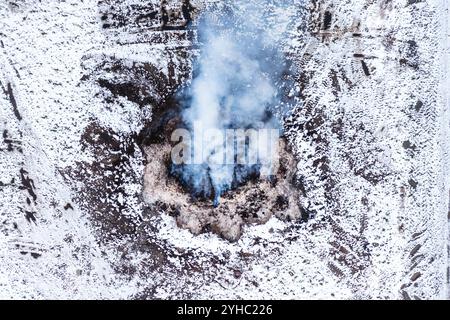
column 374, row 235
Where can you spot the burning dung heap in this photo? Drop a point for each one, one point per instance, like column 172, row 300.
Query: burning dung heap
column 235, row 86
column 254, row 202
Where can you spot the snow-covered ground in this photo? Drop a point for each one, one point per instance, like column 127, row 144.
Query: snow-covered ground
column 370, row 132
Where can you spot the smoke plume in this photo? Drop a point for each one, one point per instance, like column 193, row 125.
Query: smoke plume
column 235, row 86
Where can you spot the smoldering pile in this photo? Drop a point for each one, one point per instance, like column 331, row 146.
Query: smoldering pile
column 235, row 86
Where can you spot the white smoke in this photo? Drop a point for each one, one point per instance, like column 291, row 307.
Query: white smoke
column 234, row 87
